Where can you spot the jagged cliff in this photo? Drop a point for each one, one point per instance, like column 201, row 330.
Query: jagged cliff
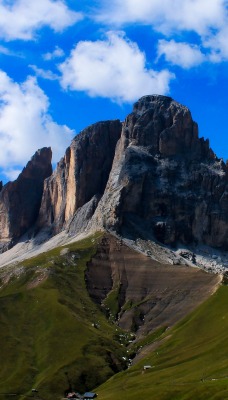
column 81, row 176
column 149, row 177
column 166, row 183
column 20, row 200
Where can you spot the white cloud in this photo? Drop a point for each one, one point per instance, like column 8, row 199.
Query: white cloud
column 56, row 53
column 26, row 125
column 45, row 74
column 167, row 15
column 114, row 68
column 9, row 52
column 20, row 19
column 4, row 50
column 181, row 54
column 207, row 18
column 218, row 44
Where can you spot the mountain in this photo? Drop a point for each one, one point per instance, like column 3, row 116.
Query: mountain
column 99, row 266
column 166, row 184
column 150, row 177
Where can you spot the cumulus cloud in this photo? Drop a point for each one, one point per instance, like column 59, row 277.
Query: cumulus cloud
column 181, row 54
column 167, row 15
column 208, row 19
column 56, row 53
column 114, row 68
column 20, row 19
column 26, row 125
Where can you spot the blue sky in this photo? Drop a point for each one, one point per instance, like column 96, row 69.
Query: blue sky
column 67, row 64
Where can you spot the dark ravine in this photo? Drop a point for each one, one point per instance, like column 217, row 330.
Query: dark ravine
column 150, row 177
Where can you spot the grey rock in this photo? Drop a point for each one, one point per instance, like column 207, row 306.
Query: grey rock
column 82, row 216
column 166, row 178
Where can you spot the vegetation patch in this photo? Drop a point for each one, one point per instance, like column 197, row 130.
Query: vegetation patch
column 55, row 338
column 111, row 303
column 148, row 339
column 191, row 363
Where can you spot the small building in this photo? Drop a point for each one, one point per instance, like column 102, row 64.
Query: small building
column 74, row 395
column 147, row 367
column 89, row 396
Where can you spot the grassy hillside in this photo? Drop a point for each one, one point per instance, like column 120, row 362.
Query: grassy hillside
column 51, row 330
column 191, row 362
column 49, row 326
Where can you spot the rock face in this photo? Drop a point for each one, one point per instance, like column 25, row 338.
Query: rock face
column 80, row 175
column 20, row 200
column 146, row 295
column 166, row 183
column 150, row 177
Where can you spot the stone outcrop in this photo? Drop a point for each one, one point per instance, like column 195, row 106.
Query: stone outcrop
column 20, row 200
column 166, row 184
column 80, row 175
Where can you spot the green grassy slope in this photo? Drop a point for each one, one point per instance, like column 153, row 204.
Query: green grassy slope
column 191, row 363
column 46, row 326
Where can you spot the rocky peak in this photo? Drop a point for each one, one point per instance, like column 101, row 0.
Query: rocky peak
column 39, row 167
column 20, row 200
column 166, row 128
column 166, row 184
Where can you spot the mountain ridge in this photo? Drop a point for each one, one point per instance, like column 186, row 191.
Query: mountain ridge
column 150, row 178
